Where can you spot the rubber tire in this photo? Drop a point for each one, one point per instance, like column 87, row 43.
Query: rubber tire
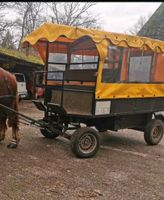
column 49, row 135
column 149, row 131
column 75, row 142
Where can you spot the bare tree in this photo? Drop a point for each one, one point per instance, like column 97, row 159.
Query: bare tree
column 5, row 24
column 8, row 41
column 28, row 17
column 73, row 13
column 138, row 25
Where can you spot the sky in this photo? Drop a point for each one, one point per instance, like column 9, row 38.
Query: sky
column 121, row 16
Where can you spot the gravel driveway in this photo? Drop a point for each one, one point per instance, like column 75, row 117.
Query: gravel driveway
column 125, row 168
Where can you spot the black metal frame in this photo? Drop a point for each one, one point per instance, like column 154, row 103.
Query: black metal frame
column 62, row 85
column 57, row 120
column 112, row 118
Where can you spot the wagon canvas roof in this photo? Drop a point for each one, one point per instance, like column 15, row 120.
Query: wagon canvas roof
column 101, row 39
column 51, row 32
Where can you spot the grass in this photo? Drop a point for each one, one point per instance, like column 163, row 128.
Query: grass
column 21, row 56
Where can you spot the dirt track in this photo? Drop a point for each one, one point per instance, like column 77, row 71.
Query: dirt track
column 125, row 168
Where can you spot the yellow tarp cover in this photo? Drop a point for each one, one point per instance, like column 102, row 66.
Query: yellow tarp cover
column 51, row 32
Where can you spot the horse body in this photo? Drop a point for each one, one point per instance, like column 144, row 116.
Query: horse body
column 9, row 98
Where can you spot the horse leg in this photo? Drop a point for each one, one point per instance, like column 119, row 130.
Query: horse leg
column 15, row 138
column 13, row 122
column 3, row 128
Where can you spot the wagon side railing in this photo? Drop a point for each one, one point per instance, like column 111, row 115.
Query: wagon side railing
column 60, row 80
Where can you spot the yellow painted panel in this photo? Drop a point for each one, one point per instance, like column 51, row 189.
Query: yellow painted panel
column 129, row 90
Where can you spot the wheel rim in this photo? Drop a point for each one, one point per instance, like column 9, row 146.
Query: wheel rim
column 157, row 132
column 87, row 143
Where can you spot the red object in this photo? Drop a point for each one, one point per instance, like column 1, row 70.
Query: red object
column 39, row 92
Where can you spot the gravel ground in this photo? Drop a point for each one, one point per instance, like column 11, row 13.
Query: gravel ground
column 125, row 168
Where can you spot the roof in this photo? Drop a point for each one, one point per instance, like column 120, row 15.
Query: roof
column 154, row 27
column 51, row 32
column 21, row 56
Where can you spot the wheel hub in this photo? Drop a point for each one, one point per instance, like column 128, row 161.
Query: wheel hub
column 157, row 132
column 87, row 143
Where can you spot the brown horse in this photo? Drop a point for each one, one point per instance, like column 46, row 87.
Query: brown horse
column 9, row 98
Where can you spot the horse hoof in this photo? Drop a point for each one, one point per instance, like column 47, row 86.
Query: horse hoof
column 12, row 145
column 2, row 142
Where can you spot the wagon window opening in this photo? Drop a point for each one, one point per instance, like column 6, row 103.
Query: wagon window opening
column 80, row 54
column 83, row 61
column 83, row 55
column 140, row 65
column 57, row 62
column 112, row 66
column 58, row 57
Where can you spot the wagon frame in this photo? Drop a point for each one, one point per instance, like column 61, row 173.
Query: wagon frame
column 93, row 83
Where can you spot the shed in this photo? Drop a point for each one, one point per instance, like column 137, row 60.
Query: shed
column 15, row 61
